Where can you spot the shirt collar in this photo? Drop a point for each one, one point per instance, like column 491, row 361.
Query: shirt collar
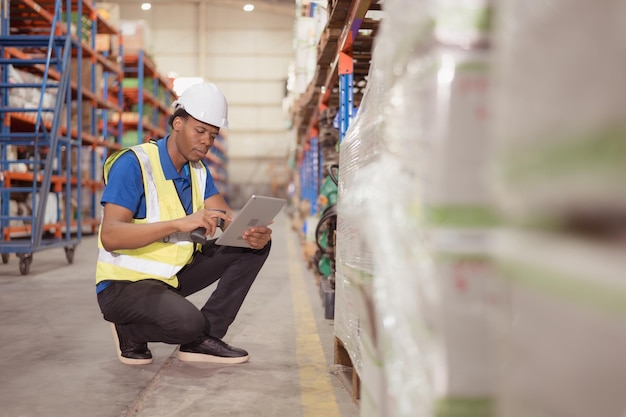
column 166, row 161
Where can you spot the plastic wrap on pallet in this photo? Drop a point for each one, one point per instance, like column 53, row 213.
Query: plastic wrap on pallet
column 395, row 376
column 406, row 27
column 430, row 294
column 359, row 148
column 432, row 279
column 463, row 23
column 562, row 328
column 560, row 113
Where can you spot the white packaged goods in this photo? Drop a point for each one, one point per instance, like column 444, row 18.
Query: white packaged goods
column 28, row 97
column 560, row 110
column 417, row 196
column 464, row 23
column 562, row 330
column 306, row 53
column 437, row 125
column 52, row 212
column 463, row 288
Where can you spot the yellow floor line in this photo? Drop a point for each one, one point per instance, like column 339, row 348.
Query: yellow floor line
column 316, row 390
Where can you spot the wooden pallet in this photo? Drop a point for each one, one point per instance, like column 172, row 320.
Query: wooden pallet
column 347, row 373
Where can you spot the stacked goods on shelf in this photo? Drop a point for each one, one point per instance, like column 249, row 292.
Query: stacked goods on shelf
column 109, row 43
column 147, row 98
column 308, row 27
column 99, row 105
column 45, row 136
column 337, row 52
column 311, row 19
column 137, row 36
column 328, row 141
column 29, row 97
column 217, row 161
column 558, row 164
column 422, row 207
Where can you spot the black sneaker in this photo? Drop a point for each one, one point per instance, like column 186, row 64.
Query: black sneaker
column 131, row 353
column 211, row 349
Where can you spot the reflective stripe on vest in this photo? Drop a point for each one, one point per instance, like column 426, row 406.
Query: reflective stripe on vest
column 153, row 211
column 153, row 268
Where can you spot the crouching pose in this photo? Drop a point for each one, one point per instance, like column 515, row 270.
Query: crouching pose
column 156, row 193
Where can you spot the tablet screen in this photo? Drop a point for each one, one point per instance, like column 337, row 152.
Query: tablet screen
column 258, row 211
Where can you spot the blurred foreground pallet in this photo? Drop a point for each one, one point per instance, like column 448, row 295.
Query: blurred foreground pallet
column 345, row 371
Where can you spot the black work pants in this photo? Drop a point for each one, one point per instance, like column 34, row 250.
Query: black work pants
column 152, row 311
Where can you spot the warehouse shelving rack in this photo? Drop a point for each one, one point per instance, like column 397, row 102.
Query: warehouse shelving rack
column 217, row 160
column 27, row 129
column 100, row 107
column 344, row 56
column 146, row 101
column 42, row 46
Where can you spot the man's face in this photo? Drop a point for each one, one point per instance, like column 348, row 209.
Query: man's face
column 195, row 137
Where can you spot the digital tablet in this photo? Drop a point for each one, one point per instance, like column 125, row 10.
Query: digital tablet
column 258, row 211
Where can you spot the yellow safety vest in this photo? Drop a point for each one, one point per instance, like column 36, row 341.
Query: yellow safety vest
column 163, row 259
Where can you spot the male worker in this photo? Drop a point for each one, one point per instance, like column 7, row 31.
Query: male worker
column 157, row 193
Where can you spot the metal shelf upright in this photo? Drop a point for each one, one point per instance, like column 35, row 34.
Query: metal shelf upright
column 35, row 165
column 101, row 98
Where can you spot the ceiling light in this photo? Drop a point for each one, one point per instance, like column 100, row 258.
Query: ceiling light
column 146, row 6
column 248, row 7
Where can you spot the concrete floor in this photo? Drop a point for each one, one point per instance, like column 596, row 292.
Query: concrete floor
column 57, row 356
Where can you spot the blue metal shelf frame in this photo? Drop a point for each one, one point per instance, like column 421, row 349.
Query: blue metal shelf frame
column 48, row 146
column 346, row 99
column 104, row 133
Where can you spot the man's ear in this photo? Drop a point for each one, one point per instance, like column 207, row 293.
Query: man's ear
column 177, row 123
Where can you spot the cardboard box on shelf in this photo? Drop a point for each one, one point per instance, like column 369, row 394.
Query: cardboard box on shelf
column 86, row 115
column 127, row 117
column 110, row 12
column 86, row 75
column 137, row 36
column 108, row 43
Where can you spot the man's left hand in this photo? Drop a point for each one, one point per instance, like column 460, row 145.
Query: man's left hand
column 258, row 237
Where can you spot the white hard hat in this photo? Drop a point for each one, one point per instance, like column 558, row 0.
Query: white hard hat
column 204, row 102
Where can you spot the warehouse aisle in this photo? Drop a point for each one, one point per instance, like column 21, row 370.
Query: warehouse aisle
column 57, row 356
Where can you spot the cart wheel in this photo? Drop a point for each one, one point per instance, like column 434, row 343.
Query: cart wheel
column 5, row 258
column 25, row 261
column 69, row 254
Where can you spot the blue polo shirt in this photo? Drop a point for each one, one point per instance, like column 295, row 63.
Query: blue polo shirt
column 125, row 185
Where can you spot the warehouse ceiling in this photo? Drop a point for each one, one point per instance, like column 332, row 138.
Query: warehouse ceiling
column 279, row 6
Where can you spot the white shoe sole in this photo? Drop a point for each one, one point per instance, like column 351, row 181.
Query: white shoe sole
column 200, row 357
column 124, row 360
